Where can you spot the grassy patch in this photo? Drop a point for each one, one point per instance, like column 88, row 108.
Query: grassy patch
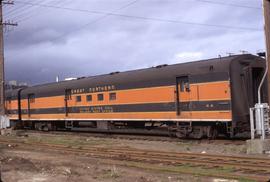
column 112, row 173
column 220, row 172
column 71, row 142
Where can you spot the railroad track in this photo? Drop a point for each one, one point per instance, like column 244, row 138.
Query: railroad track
column 101, row 135
column 129, row 137
column 239, row 167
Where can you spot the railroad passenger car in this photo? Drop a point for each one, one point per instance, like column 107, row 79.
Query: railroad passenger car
column 197, row 99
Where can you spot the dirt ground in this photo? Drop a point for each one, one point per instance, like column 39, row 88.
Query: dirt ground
column 37, row 165
column 29, row 166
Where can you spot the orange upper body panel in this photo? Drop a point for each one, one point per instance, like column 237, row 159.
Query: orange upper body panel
column 211, row 91
column 198, row 92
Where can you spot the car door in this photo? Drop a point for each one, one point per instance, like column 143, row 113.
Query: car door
column 183, row 99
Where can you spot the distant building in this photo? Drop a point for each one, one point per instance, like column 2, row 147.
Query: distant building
column 13, row 84
column 23, row 84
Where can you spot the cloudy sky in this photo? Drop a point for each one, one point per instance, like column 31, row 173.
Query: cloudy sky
column 88, row 37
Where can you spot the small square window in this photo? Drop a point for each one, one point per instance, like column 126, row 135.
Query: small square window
column 112, row 96
column 100, row 97
column 78, row 98
column 89, row 98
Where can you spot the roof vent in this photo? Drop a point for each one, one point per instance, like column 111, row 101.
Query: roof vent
column 161, row 66
column 113, row 73
column 261, row 54
column 230, row 54
column 69, row 79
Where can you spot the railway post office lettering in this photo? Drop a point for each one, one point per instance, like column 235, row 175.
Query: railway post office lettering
column 101, row 109
column 96, row 109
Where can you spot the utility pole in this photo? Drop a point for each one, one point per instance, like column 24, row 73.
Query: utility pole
column 2, row 65
column 266, row 7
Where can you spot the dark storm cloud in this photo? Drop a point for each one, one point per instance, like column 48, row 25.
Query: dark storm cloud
column 51, row 42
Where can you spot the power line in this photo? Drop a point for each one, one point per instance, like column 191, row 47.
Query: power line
column 29, row 14
column 14, row 9
column 229, row 4
column 143, row 18
column 98, row 19
column 22, row 9
column 27, row 10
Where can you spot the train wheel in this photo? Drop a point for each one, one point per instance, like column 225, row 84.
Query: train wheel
column 45, row 128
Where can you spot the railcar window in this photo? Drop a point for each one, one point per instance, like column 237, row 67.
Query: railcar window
column 182, row 86
column 89, row 98
column 78, row 98
column 100, row 97
column 112, row 96
column 187, row 87
column 31, row 98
